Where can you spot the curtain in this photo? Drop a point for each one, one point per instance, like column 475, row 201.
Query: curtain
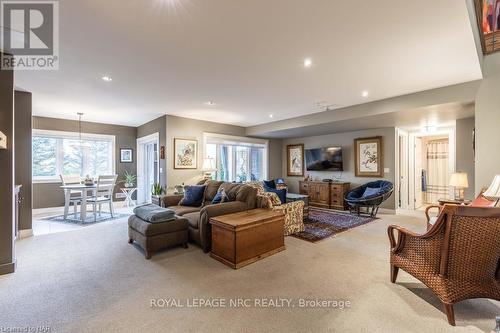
column 437, row 170
column 224, row 168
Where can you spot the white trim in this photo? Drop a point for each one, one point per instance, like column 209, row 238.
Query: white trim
column 25, row 233
column 141, row 142
column 450, row 132
column 402, row 166
column 73, row 135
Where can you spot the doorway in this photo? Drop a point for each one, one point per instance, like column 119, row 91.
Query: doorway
column 424, row 163
column 148, row 170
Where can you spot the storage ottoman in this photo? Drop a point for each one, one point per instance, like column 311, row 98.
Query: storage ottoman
column 152, row 237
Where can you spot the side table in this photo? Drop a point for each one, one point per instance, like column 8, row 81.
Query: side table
column 129, row 191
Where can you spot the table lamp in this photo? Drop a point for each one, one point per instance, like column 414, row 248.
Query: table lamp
column 494, row 190
column 208, row 167
column 459, row 181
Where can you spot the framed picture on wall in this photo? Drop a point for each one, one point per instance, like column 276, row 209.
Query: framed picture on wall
column 295, row 160
column 126, row 155
column 369, row 157
column 185, row 153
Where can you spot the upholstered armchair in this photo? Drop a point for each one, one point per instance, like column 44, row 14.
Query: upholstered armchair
column 294, row 211
column 458, row 258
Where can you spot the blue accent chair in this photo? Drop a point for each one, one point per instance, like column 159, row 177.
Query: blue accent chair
column 356, row 198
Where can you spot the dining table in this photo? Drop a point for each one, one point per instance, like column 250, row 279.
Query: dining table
column 84, row 189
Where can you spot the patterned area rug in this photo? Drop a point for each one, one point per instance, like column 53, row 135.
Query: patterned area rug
column 326, row 223
column 105, row 216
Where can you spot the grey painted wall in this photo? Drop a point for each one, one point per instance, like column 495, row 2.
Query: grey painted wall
column 50, row 194
column 22, row 156
column 487, row 123
column 346, row 141
column 465, row 152
column 275, row 158
column 7, row 261
column 158, row 125
column 178, row 127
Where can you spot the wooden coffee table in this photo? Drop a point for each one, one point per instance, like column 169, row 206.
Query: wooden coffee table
column 243, row 238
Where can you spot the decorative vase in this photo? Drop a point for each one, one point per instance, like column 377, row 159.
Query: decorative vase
column 129, row 185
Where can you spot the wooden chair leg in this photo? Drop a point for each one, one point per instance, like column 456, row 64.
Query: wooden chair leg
column 450, row 313
column 148, row 255
column 394, row 273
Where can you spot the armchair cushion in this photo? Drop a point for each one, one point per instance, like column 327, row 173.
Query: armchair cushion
column 270, row 183
column 281, row 193
column 369, row 192
column 193, row 196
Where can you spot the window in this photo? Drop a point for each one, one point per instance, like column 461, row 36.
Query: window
column 56, row 153
column 238, row 159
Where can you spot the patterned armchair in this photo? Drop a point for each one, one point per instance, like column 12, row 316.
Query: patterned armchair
column 294, row 211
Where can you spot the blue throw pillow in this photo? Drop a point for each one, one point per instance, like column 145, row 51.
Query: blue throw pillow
column 269, row 183
column 370, row 191
column 193, row 196
column 281, row 193
column 220, row 197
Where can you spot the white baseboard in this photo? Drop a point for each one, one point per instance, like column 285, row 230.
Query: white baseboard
column 25, row 233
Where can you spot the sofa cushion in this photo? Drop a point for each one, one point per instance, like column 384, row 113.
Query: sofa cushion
column 241, row 192
column 193, row 219
column 182, row 210
column 153, row 229
column 193, row 196
column 211, row 190
column 220, row 197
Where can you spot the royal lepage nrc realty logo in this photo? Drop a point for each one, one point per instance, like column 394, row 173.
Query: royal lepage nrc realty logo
column 30, row 35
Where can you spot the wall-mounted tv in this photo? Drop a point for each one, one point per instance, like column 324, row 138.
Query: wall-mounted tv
column 324, row 159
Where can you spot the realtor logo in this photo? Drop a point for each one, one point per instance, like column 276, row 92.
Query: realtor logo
column 30, row 35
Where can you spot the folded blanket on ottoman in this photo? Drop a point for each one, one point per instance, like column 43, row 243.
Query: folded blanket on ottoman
column 154, row 214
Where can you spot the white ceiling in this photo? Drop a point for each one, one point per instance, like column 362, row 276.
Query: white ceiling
column 171, row 56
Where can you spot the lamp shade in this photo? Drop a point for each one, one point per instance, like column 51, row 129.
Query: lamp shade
column 494, row 190
column 208, row 165
column 459, row 179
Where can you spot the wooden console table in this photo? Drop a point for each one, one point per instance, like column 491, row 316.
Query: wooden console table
column 326, row 194
column 242, row 238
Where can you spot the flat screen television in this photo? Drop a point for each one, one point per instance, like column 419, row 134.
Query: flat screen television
column 324, row 159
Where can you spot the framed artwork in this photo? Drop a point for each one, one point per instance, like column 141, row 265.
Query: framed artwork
column 369, row 157
column 126, row 155
column 488, row 21
column 185, row 154
column 295, row 160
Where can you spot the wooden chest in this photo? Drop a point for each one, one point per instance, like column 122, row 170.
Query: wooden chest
column 242, row 238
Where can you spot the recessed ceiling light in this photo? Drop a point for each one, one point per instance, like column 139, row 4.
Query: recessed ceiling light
column 210, row 103
column 107, row 78
column 365, row 93
column 271, row 115
column 308, row 62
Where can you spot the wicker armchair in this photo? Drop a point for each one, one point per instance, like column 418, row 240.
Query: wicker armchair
column 458, row 258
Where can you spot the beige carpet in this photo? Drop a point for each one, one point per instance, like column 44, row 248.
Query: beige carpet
column 92, row 280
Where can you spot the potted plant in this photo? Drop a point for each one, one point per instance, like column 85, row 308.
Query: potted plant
column 156, row 194
column 157, row 189
column 129, row 179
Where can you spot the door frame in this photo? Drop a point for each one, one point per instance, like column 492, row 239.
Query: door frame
column 141, row 143
column 448, row 131
column 401, row 174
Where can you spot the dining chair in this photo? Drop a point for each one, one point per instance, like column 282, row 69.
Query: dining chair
column 71, row 197
column 103, row 194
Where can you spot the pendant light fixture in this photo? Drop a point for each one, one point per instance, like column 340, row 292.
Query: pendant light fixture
column 81, row 144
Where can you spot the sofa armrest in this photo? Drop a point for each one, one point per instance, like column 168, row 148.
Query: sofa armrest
column 172, row 200
column 210, row 211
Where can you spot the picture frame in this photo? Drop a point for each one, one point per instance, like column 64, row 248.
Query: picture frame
column 185, row 154
column 295, row 160
column 126, row 155
column 369, row 157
